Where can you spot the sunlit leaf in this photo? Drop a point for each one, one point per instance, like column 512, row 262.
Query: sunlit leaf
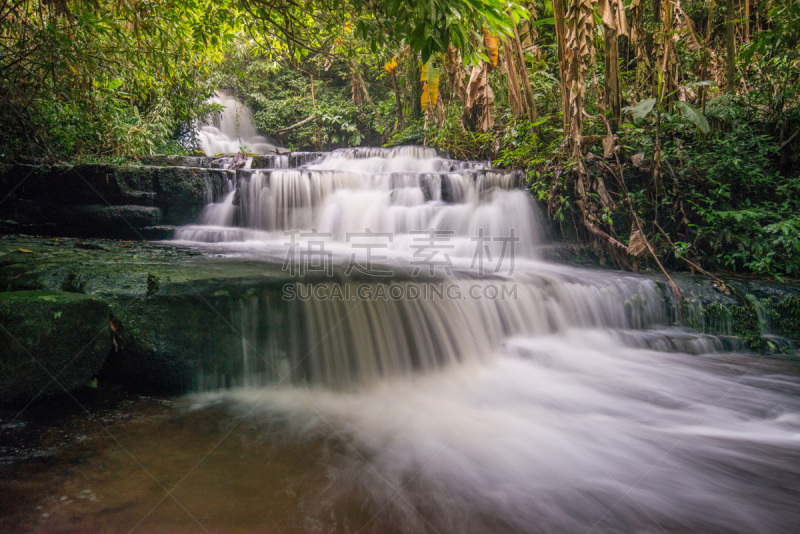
column 694, row 115
column 430, row 89
column 492, row 50
column 642, row 109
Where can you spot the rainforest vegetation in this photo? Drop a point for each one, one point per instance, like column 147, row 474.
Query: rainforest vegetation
column 661, row 131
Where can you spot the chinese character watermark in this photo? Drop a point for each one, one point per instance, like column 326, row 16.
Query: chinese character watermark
column 431, row 252
column 427, row 246
column 314, row 258
column 367, row 241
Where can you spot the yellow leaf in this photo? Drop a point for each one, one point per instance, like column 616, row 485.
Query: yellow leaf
column 425, row 96
column 491, row 44
column 393, row 63
column 25, row 250
column 430, row 89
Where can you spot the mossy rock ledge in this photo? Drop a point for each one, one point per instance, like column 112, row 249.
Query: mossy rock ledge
column 51, row 342
column 102, row 200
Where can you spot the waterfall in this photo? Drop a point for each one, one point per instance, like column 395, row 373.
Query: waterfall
column 480, row 391
column 233, row 130
column 453, row 272
column 400, row 191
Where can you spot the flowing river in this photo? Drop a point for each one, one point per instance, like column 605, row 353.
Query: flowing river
column 424, row 370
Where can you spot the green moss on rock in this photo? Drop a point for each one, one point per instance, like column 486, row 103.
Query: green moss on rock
column 784, row 316
column 50, row 342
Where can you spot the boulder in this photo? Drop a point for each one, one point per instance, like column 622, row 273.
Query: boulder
column 268, row 161
column 298, row 159
column 175, row 343
column 179, row 315
column 101, row 200
column 124, row 222
column 164, row 160
column 182, row 193
column 51, row 342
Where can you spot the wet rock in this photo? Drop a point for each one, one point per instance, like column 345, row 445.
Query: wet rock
column 218, row 183
column 78, row 184
column 50, row 342
column 764, row 314
column 156, row 233
column 264, row 162
column 100, row 200
column 298, row 159
column 88, row 495
column 182, row 193
column 167, row 341
column 178, row 315
column 110, row 221
column 164, row 160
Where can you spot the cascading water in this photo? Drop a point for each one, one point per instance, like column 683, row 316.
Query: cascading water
column 464, row 385
column 232, row 131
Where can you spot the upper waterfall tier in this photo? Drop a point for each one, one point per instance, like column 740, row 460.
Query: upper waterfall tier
column 233, row 130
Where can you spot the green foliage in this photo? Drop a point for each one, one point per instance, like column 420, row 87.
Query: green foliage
column 100, row 78
column 642, row 109
column 694, row 115
column 429, row 26
column 413, row 133
column 743, row 211
column 280, row 96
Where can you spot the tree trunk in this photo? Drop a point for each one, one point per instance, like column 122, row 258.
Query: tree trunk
column 666, row 60
column 639, row 41
column 747, row 21
column 530, row 103
column 365, row 95
column 561, row 39
column 398, row 100
column 456, row 73
column 612, row 12
column 613, row 89
column 480, row 100
column 706, row 55
column 514, row 96
column 579, row 53
column 730, row 42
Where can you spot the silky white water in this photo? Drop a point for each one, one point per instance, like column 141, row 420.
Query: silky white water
column 233, row 131
column 489, row 395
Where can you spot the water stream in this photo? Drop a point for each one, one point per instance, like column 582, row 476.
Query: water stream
column 491, row 391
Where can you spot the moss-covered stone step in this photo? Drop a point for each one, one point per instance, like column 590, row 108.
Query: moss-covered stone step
column 95, row 200
column 763, row 313
column 51, row 342
column 177, row 312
